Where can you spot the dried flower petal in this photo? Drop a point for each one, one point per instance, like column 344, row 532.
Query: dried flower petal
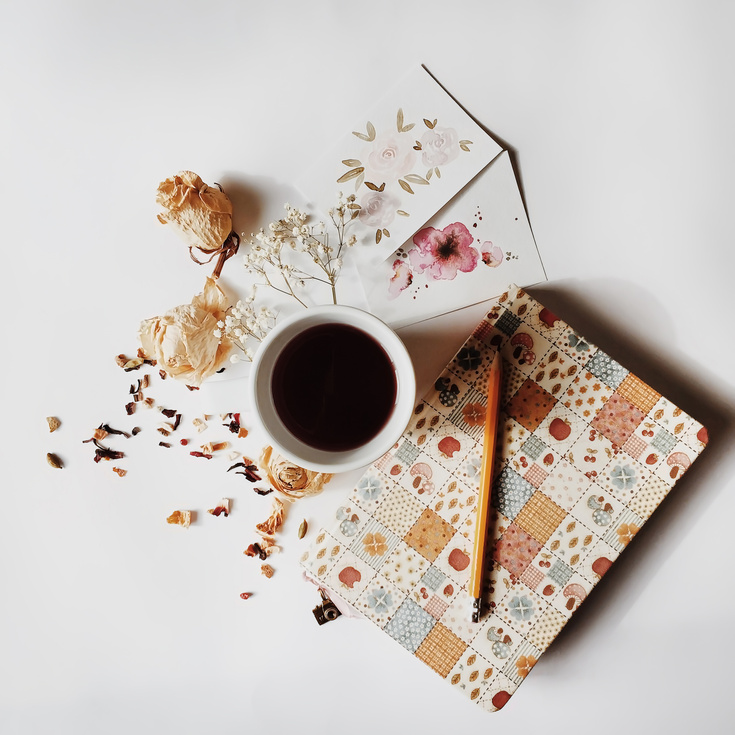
column 54, row 461
column 183, row 338
column 53, row 423
column 180, row 518
column 201, row 454
column 222, row 509
column 289, row 479
column 271, row 524
column 200, row 214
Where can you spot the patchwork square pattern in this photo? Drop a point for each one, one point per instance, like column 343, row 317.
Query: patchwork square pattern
column 640, row 394
column 429, row 535
column 540, row 517
column 441, row 649
column 516, row 549
column 511, row 492
column 530, row 405
column 618, row 419
column 586, row 452
column 606, row 369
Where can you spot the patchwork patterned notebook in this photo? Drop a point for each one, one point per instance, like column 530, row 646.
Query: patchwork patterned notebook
column 587, row 451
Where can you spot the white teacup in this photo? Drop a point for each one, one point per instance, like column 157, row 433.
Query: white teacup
column 263, row 402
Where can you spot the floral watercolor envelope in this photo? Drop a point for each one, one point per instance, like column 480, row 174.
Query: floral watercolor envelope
column 587, row 452
column 404, row 160
column 466, row 253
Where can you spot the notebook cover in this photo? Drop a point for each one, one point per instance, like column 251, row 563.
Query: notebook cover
column 586, row 453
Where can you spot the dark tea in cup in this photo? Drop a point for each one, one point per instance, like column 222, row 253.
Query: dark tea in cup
column 334, row 387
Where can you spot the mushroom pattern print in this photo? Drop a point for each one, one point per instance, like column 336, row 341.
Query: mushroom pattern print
column 586, row 453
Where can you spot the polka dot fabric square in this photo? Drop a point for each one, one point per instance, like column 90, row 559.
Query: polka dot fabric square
column 586, row 452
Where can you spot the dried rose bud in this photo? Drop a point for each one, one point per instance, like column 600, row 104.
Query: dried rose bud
column 200, row 214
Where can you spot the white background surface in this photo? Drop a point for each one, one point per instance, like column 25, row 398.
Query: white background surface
column 621, row 117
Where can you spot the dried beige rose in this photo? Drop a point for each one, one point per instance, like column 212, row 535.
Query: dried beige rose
column 183, row 340
column 288, row 478
column 201, row 214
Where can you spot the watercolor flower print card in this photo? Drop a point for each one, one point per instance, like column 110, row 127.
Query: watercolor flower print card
column 466, row 253
column 403, row 161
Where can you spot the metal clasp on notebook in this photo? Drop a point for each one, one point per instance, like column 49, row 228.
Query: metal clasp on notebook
column 326, row 611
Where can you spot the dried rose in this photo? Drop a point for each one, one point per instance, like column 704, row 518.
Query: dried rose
column 201, row 214
column 183, row 340
column 290, row 479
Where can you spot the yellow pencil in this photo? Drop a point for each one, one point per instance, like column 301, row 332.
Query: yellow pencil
column 486, row 480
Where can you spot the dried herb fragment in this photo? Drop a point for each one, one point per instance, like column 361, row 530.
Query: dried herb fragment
column 169, row 413
column 99, row 434
column 263, row 490
column 136, row 430
column 244, row 595
column 217, row 372
column 54, row 461
column 177, row 421
column 162, row 374
column 193, row 387
column 303, row 528
column 119, row 471
column 53, row 424
column 134, row 388
column 164, row 444
column 110, row 430
column 163, row 431
column 267, row 571
column 255, row 550
column 138, row 397
column 130, row 408
column 222, row 509
column 249, row 470
column 146, row 381
column 180, row 518
column 149, row 402
column 201, row 454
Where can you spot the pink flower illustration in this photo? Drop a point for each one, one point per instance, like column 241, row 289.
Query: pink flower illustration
column 378, row 209
column 492, row 255
column 390, row 156
column 441, row 253
column 401, row 278
column 439, row 146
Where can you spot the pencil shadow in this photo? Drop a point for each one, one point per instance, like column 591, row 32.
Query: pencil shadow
column 691, row 496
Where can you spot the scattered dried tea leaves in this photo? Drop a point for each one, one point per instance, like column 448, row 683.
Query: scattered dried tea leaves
column 267, row 571
column 54, row 461
column 119, row 471
column 180, row 518
column 248, row 469
column 222, row 509
column 303, row 527
column 53, row 423
column 201, row 454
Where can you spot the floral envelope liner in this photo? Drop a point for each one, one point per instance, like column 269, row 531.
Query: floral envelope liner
column 403, row 161
column 466, row 253
column 588, row 452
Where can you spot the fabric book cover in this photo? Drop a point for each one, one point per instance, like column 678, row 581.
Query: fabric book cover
column 586, row 452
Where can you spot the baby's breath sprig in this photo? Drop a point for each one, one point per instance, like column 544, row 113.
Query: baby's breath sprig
column 243, row 323
column 273, row 251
